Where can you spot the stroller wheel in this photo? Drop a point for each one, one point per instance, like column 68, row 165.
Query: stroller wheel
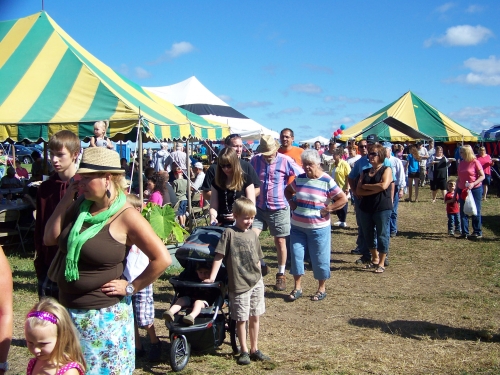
column 180, row 351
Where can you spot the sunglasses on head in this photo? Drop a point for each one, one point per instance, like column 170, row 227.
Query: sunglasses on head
column 231, row 136
column 223, row 166
column 373, row 154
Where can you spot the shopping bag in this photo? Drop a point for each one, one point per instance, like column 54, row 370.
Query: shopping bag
column 470, row 208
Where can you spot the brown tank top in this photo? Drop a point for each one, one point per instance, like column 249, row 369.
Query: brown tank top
column 102, row 259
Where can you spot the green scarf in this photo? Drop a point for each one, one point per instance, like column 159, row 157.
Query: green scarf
column 77, row 239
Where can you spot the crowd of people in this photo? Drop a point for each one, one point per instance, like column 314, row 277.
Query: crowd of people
column 97, row 257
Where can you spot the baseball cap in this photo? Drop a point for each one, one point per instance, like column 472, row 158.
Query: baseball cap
column 198, row 165
column 372, row 138
column 387, row 144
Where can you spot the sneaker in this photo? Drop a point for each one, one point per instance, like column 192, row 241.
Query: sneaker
column 259, row 356
column 280, row 282
column 356, row 251
column 386, row 262
column 155, row 352
column 168, row 316
column 188, row 319
column 244, row 359
column 463, row 236
column 476, row 235
column 363, row 260
column 343, row 225
column 265, row 269
column 451, row 233
column 393, row 234
column 337, row 224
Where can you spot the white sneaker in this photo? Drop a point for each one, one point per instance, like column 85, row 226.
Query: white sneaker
column 337, row 224
column 343, row 225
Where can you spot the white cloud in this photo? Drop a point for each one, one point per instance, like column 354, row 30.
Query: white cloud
column 323, row 112
column 306, row 88
column 318, row 68
column 345, row 99
column 177, row 49
column 477, row 118
column 445, row 7
column 463, row 35
column 485, row 72
column 141, row 73
column 342, row 121
column 286, row 111
column 253, row 104
column 474, row 8
column 225, row 98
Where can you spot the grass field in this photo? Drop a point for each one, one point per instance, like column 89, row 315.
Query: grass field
column 434, row 311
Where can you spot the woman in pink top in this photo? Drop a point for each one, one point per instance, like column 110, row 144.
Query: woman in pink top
column 486, row 162
column 156, row 186
column 470, row 176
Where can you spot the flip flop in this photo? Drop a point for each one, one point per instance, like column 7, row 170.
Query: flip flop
column 380, row 269
column 318, row 296
column 371, row 266
column 295, row 295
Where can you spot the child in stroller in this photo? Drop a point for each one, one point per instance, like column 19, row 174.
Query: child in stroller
column 203, row 272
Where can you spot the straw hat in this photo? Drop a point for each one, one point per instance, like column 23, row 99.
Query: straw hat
column 99, row 160
column 268, row 145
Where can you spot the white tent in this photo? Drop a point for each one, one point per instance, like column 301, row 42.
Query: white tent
column 323, row 140
column 191, row 95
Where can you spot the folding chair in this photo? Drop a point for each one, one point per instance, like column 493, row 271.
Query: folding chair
column 11, row 216
column 199, row 213
column 27, row 229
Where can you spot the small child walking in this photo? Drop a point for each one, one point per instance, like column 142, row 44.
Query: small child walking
column 240, row 249
column 99, row 139
column 203, row 272
column 142, row 301
column 452, row 209
column 180, row 186
column 53, row 340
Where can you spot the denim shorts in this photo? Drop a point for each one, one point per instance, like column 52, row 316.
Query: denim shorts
column 181, row 210
column 278, row 221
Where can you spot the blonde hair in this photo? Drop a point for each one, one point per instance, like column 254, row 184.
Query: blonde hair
column 468, row 154
column 244, row 206
column 228, row 156
column 67, row 348
column 134, row 200
column 104, row 124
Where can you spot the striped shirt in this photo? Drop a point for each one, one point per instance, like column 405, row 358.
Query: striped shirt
column 273, row 180
column 313, row 194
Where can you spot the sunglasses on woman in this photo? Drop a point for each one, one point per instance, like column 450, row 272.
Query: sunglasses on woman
column 373, row 154
column 226, row 166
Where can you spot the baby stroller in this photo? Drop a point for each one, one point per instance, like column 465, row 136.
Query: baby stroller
column 209, row 329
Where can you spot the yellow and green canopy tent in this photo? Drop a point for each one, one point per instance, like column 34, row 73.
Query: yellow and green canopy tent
column 407, row 119
column 48, row 82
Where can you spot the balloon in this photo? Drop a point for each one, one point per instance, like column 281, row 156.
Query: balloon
column 335, row 134
column 341, row 131
column 342, row 127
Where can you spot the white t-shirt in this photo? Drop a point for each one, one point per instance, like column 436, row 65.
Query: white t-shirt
column 137, row 262
column 422, row 151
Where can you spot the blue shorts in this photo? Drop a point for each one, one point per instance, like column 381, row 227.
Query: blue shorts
column 181, row 210
column 487, row 179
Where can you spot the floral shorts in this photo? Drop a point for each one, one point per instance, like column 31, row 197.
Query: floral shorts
column 107, row 338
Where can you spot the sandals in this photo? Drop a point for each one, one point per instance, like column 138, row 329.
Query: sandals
column 318, row 296
column 371, row 266
column 380, row 269
column 295, row 295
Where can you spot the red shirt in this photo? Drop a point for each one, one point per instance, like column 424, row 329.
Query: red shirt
column 451, row 208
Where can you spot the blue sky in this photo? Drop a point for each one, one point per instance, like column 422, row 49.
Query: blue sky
column 310, row 66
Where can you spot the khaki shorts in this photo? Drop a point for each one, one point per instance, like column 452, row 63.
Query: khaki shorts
column 278, row 221
column 249, row 303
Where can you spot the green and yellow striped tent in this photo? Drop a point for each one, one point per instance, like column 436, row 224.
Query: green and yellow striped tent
column 48, row 82
column 407, row 119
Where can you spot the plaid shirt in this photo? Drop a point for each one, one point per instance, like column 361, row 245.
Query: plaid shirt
column 273, row 178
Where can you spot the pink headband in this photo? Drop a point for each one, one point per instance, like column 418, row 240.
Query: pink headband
column 44, row 315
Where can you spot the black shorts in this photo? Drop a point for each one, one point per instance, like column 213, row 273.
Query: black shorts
column 438, row 184
column 414, row 175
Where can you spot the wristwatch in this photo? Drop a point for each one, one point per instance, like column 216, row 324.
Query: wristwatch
column 129, row 289
column 4, row 366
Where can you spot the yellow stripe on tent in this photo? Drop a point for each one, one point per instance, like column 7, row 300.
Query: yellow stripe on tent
column 9, row 131
column 29, row 88
column 80, row 97
column 403, row 111
column 54, row 128
column 15, row 36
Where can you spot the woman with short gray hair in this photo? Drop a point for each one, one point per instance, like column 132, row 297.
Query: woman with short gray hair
column 313, row 195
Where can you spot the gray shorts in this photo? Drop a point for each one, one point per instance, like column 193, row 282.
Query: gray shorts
column 278, row 221
column 249, row 303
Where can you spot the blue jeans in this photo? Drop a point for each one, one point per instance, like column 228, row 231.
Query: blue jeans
column 454, row 222
column 360, row 240
column 393, row 222
column 318, row 242
column 477, row 193
column 342, row 213
column 376, row 229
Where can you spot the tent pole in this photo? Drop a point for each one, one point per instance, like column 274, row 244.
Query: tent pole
column 188, row 172
column 139, row 141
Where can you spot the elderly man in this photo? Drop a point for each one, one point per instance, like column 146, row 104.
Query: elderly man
column 424, row 155
column 274, row 171
column 399, row 186
column 327, row 156
column 197, row 176
column 179, row 157
column 160, row 158
column 234, row 141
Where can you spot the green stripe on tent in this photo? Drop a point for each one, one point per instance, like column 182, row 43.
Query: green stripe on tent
column 5, row 28
column 33, row 132
column 22, row 58
column 56, row 91
column 103, row 100
column 426, row 119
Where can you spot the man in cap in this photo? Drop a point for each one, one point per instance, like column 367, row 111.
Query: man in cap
column 359, row 167
column 234, row 141
column 179, row 157
column 198, row 176
column 399, row 186
column 274, row 171
column 160, row 158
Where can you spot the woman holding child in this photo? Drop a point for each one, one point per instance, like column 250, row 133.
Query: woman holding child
column 230, row 184
column 313, row 196
column 94, row 234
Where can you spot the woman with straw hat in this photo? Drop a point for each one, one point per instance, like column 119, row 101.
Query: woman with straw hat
column 94, row 234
